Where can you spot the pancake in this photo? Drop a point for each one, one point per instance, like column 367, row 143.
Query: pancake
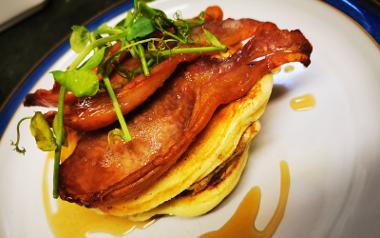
column 213, row 147
column 101, row 174
column 219, row 184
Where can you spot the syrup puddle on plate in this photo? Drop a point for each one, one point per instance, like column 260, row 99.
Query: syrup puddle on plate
column 74, row 221
column 242, row 223
column 286, row 69
column 303, row 103
column 289, row 68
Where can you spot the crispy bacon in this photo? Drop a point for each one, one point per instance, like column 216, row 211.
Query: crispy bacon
column 49, row 97
column 97, row 112
column 213, row 13
column 229, row 31
column 99, row 173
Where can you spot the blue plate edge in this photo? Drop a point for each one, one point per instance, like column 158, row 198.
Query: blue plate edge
column 362, row 12
column 15, row 99
column 368, row 19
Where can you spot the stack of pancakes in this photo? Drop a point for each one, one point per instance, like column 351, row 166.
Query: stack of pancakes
column 190, row 138
column 211, row 167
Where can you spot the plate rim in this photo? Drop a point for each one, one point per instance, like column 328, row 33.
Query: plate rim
column 60, row 54
column 364, row 14
column 30, row 78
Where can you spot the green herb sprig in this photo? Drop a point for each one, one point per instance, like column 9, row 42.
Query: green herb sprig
column 16, row 144
column 146, row 33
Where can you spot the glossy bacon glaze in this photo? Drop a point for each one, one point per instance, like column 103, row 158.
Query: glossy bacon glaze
column 96, row 112
column 49, row 97
column 99, row 173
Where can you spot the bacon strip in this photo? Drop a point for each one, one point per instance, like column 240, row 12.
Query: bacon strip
column 229, row 31
column 49, row 97
column 99, row 173
column 97, row 112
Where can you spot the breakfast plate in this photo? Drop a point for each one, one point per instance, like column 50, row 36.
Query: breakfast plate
column 331, row 149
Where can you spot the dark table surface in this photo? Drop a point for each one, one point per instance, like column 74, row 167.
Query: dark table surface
column 22, row 45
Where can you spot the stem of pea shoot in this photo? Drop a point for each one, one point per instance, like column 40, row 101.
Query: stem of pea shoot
column 97, row 43
column 61, row 100
column 126, row 135
column 206, row 49
column 59, row 141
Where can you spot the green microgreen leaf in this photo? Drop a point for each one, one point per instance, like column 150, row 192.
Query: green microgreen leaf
column 79, row 39
column 81, row 82
column 95, row 60
column 42, row 133
column 142, row 26
column 129, row 19
column 103, row 28
column 159, row 17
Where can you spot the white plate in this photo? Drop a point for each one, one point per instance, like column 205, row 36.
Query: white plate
column 333, row 150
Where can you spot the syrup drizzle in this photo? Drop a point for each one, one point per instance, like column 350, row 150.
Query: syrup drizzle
column 242, row 223
column 72, row 220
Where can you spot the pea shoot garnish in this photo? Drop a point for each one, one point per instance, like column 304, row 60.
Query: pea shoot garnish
column 146, row 34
